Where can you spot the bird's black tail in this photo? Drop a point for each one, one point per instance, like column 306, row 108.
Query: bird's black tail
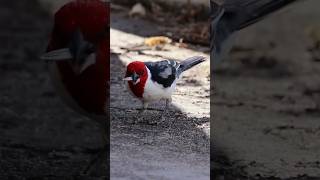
column 190, row 62
column 235, row 15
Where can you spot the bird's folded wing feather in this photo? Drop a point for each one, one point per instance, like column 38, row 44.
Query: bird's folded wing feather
column 163, row 72
column 229, row 16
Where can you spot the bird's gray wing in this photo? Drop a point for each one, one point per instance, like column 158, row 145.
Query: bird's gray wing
column 163, row 72
column 229, row 16
column 248, row 12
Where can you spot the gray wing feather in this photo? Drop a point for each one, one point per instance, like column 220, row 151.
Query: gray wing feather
column 233, row 15
column 189, row 63
column 167, row 71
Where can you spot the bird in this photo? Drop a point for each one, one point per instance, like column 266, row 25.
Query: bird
column 78, row 59
column 153, row 81
column 230, row 16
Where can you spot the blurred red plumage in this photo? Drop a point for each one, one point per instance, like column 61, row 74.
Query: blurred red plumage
column 90, row 88
column 78, row 58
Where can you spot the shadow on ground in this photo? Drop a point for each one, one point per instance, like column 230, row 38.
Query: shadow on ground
column 267, row 91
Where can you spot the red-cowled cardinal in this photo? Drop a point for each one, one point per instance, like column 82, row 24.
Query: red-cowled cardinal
column 78, row 58
column 152, row 81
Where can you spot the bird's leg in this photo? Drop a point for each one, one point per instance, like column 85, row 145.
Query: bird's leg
column 168, row 102
column 144, row 107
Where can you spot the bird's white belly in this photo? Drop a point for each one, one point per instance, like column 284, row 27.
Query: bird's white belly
column 154, row 91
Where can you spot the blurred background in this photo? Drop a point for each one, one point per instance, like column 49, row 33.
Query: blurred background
column 265, row 106
column 40, row 137
column 178, row 146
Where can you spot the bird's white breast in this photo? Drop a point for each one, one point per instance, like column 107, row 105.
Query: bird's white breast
column 155, row 91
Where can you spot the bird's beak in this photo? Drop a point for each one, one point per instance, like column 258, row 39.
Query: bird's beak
column 57, row 55
column 127, row 79
column 134, row 78
column 130, row 79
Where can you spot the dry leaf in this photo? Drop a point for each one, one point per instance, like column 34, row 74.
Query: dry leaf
column 157, row 40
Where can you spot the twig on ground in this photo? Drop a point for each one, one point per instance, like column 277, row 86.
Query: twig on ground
column 135, row 109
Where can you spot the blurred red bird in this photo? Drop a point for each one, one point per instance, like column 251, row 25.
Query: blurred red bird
column 78, row 58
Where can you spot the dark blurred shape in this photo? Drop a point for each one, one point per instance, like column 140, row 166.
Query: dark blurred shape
column 78, row 59
column 233, row 15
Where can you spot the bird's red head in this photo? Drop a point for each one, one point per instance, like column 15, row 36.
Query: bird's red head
column 79, row 47
column 136, row 76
